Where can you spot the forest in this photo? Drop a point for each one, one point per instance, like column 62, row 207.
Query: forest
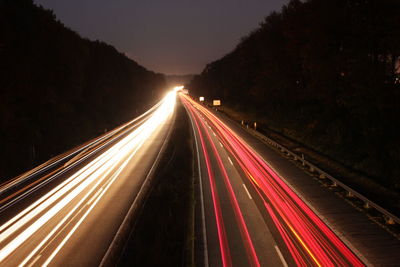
column 322, row 73
column 58, row 90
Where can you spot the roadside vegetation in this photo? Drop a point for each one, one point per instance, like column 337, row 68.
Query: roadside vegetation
column 325, row 75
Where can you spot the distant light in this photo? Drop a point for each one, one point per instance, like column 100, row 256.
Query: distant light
column 201, row 98
column 216, row 102
column 178, row 88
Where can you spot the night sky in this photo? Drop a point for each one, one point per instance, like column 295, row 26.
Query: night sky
column 167, row 36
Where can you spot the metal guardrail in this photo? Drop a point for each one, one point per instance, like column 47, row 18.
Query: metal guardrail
column 389, row 217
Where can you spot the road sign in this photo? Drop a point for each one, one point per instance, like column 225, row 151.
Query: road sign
column 216, row 102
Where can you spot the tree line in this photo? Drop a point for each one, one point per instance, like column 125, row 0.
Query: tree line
column 57, row 89
column 325, row 73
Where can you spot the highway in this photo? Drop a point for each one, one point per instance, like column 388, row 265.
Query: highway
column 67, row 211
column 250, row 215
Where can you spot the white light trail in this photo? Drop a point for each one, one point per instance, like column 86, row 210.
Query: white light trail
column 95, row 174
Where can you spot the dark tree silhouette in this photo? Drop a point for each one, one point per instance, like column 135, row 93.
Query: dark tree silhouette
column 322, row 73
column 57, row 90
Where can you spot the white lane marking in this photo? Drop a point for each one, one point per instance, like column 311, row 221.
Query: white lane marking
column 221, row 144
column 281, row 256
column 203, row 218
column 230, row 160
column 35, row 260
column 214, row 134
column 247, row 191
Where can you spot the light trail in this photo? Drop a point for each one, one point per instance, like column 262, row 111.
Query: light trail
column 222, row 237
column 251, row 253
column 309, row 240
column 77, row 195
column 71, row 213
column 248, row 244
column 75, row 158
column 4, row 186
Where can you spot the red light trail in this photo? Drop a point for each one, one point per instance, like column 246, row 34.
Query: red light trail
column 225, row 253
column 251, row 253
column 308, row 239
